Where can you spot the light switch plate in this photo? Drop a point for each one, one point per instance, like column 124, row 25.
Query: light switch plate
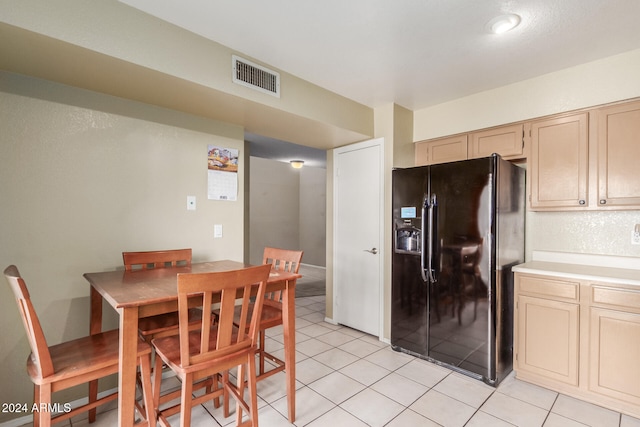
column 217, row 231
column 191, row 203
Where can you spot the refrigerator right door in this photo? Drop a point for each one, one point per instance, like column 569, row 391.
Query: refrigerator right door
column 510, row 236
column 460, row 298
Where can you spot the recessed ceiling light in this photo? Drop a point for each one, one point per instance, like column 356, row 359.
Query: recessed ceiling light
column 504, row 23
column 297, row 164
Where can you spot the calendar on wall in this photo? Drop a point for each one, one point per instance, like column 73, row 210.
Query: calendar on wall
column 222, row 173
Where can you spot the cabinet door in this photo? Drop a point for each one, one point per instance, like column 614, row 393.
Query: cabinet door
column 508, row 141
column 614, row 368
column 559, row 163
column 441, row 150
column 619, row 155
column 547, row 338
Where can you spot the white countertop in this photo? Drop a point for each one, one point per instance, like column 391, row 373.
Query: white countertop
column 601, row 268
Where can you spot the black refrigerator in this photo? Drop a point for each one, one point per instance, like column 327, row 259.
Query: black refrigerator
column 458, row 229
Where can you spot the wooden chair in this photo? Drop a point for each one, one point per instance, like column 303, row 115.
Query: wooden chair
column 162, row 324
column 71, row 363
column 278, row 259
column 198, row 355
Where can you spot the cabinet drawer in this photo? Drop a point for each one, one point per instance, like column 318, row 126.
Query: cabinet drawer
column 549, row 288
column 617, row 298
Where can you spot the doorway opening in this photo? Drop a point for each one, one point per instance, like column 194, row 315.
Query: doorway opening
column 287, row 206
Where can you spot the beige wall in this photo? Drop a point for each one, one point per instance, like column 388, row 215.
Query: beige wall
column 313, row 215
column 84, row 176
column 131, row 54
column 287, row 209
column 395, row 124
column 608, row 80
column 599, row 82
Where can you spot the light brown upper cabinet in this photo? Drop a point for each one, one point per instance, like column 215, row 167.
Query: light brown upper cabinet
column 581, row 160
column 619, row 155
column 441, row 150
column 508, row 141
column 559, row 162
column 587, row 160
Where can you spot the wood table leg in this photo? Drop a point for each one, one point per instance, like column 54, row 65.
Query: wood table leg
column 95, row 327
column 128, row 365
column 289, row 330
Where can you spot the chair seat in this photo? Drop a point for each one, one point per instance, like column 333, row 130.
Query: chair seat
column 168, row 348
column 271, row 316
column 94, row 356
column 167, row 323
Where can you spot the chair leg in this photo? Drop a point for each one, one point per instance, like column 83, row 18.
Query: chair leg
column 147, row 395
column 185, row 400
column 156, row 384
column 240, row 387
column 261, row 351
column 43, row 399
column 36, row 401
column 225, row 393
column 253, row 391
column 93, row 396
column 215, row 386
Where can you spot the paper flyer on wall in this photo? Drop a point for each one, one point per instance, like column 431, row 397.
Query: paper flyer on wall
column 223, row 173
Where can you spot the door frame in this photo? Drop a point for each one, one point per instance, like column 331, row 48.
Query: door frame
column 381, row 212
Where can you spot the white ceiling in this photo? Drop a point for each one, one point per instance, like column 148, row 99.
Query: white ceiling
column 414, row 53
column 281, row 151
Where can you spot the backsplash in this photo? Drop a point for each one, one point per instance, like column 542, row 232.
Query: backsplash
column 601, row 233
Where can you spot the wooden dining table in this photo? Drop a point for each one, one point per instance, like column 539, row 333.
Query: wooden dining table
column 141, row 293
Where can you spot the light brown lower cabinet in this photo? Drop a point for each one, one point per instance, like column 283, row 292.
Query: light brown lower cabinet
column 549, row 338
column 614, row 343
column 579, row 338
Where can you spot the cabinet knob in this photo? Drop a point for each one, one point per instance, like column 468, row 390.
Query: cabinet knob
column 582, row 202
column 603, row 202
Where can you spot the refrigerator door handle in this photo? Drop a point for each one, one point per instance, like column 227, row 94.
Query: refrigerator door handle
column 432, row 208
column 425, row 206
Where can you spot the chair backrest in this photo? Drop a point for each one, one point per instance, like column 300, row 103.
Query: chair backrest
column 39, row 348
column 281, row 259
column 156, row 259
column 235, row 289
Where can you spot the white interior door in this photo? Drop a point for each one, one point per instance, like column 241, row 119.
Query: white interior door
column 358, row 227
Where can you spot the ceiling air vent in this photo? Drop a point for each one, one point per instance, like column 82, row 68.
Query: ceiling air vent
column 248, row 74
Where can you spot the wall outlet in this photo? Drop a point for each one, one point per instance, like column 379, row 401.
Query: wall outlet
column 635, row 235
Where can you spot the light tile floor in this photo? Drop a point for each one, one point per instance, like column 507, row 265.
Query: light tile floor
column 347, row 378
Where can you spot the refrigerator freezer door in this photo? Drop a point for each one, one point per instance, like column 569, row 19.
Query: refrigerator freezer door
column 408, row 290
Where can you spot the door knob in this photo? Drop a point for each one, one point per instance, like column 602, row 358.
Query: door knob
column 372, row 251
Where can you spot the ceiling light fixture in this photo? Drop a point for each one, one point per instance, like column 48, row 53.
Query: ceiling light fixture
column 504, row 23
column 297, row 164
